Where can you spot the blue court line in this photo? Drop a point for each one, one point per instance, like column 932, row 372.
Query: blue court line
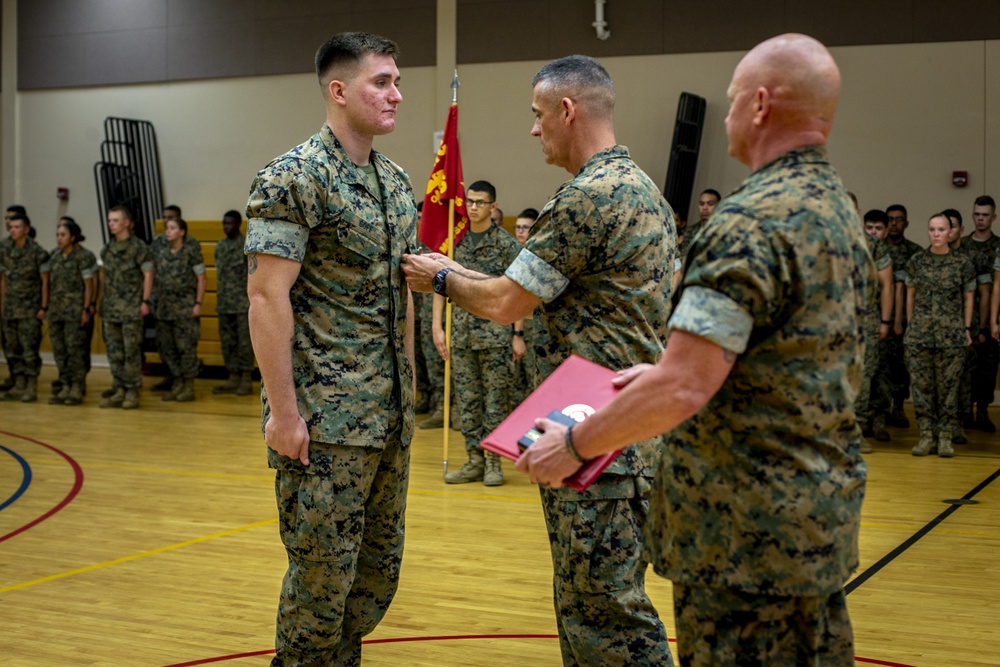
column 25, row 481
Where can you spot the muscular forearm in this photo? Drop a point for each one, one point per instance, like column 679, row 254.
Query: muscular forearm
column 498, row 299
column 271, row 331
column 885, row 295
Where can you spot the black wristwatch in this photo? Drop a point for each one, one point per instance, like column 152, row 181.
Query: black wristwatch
column 438, row 283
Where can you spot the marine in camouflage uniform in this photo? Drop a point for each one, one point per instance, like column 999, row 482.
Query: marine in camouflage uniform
column 600, row 258
column 766, row 526
column 342, row 515
column 125, row 265
column 987, row 353
column 232, row 306
column 178, row 327
column 482, row 357
column 25, row 270
column 69, row 273
column 895, row 379
column 863, row 407
column 935, row 343
column 984, row 280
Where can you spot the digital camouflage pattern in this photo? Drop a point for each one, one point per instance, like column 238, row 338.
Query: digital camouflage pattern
column 873, row 320
column 894, row 379
column 984, row 276
column 489, row 253
column 313, row 206
column 600, row 257
column 761, row 491
column 432, row 360
column 934, row 378
column 689, row 233
column 231, row 271
column 177, row 342
column 123, row 264
column 176, row 285
column 342, row 517
column 22, row 270
column 234, row 338
column 123, row 342
column 66, row 303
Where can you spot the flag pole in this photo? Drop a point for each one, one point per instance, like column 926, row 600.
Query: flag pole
column 447, row 307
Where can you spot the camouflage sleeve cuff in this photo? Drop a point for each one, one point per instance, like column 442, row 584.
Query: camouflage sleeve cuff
column 677, row 264
column 884, row 262
column 198, row 269
column 536, row 275
column 903, row 277
column 970, row 286
column 276, row 237
column 984, row 279
column 147, row 266
column 88, row 272
column 45, row 268
column 714, row 316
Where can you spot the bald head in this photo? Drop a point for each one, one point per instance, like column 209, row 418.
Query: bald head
column 785, row 93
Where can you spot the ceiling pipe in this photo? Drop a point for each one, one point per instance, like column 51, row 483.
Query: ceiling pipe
column 599, row 23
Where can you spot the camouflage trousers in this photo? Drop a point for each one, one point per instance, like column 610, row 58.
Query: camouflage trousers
column 177, row 341
column 604, row 617
column 482, row 380
column 22, row 339
column 234, row 337
column 69, row 340
column 722, row 628
column 419, row 359
column 984, row 373
column 934, row 376
column 895, row 381
column 863, row 404
column 520, row 387
column 342, row 524
column 123, row 342
column 964, row 400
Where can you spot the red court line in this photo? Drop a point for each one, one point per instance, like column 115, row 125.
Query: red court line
column 77, row 485
column 433, row 638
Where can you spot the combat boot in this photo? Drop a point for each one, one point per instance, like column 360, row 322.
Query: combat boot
column 423, row 405
column 114, row 400
column 30, row 393
column 472, row 471
column 186, row 393
column 958, row 436
column 866, row 447
column 436, row 420
column 75, row 394
column 7, row 384
column 925, row 446
column 493, row 473
column 230, row 385
column 175, row 389
column 58, row 384
column 107, row 393
column 245, row 386
column 945, row 450
column 59, row 396
column 14, row 393
column 878, row 429
column 898, row 417
column 131, row 400
column 166, row 384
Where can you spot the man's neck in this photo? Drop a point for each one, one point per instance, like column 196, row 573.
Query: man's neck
column 589, row 145
column 357, row 146
column 21, row 242
column 480, row 227
column 123, row 236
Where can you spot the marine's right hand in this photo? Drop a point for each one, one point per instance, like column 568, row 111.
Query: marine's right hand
column 288, row 439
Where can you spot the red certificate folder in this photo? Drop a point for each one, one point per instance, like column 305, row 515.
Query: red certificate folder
column 577, row 388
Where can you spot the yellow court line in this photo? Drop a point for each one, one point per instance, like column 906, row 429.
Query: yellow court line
column 125, row 559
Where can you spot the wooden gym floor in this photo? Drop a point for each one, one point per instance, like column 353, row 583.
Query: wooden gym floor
column 149, row 538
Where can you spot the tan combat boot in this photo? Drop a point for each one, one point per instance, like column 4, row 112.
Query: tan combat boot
column 175, row 389
column 75, row 394
column 925, row 446
column 493, row 473
column 114, row 400
column 30, row 393
column 229, row 386
column 472, row 471
column 435, row 420
column 245, row 385
column 59, row 396
column 131, row 400
column 186, row 394
column 945, row 450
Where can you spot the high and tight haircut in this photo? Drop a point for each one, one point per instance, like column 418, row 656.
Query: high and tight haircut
column 173, row 207
column 484, row 186
column 529, row 213
column 581, row 78
column 232, row 213
column 953, row 213
column 17, row 209
column 74, row 230
column 346, row 50
column 897, row 207
column 713, row 192
column 876, row 215
column 124, row 210
column 985, row 200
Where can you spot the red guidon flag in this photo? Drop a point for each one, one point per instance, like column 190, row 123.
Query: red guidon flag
column 445, row 185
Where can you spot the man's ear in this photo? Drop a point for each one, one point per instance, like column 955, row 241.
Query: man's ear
column 335, row 90
column 762, row 105
column 568, row 108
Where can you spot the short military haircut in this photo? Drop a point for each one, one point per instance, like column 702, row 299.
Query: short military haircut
column 953, row 213
column 340, row 56
column 582, row 79
column 484, row 186
column 17, row 209
column 234, row 214
column 173, row 207
column 876, row 215
column 985, row 200
column 124, row 210
column 714, row 193
column 529, row 213
column 897, row 207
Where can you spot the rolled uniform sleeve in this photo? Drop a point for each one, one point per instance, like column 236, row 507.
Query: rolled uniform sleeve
column 714, row 316
column 537, row 276
column 283, row 206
